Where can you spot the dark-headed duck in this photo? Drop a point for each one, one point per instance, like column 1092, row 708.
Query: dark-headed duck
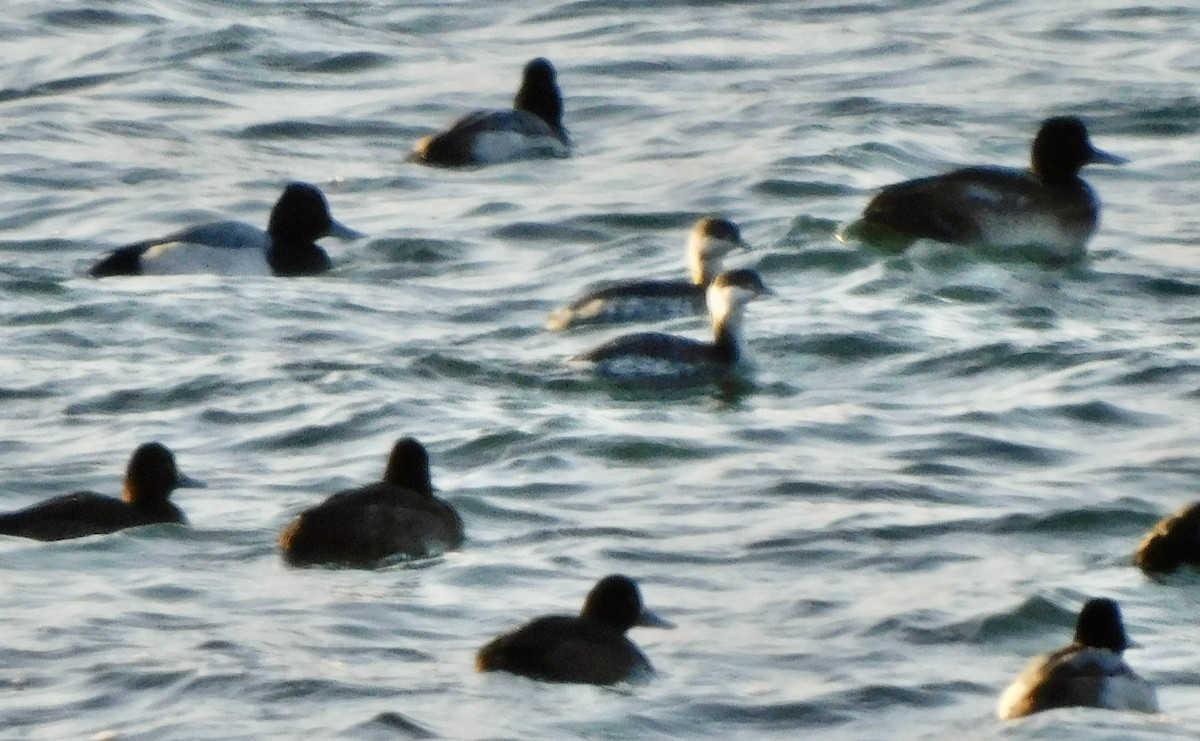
column 150, row 477
column 1089, row 672
column 398, row 516
column 590, row 648
column 533, row 127
column 287, row 248
column 1046, row 206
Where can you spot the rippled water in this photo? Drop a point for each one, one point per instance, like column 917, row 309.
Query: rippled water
column 937, row 457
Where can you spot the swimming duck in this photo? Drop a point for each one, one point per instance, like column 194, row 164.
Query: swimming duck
column 655, row 354
column 710, row 240
column 1089, row 672
column 398, row 516
column 532, row 128
column 1173, row 542
column 590, row 648
column 150, row 477
column 286, row 248
column 1047, row 206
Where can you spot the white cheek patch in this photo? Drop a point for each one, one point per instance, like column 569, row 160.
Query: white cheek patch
column 718, row 247
column 741, row 296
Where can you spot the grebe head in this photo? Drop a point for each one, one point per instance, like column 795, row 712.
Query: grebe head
column 731, row 291
column 711, row 239
column 1061, row 149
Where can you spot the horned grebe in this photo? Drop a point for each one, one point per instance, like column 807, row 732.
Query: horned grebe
column 710, row 240
column 656, row 354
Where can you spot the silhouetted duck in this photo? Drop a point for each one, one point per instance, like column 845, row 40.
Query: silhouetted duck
column 150, row 478
column 1047, row 206
column 286, row 248
column 398, row 516
column 656, row 355
column 1089, row 672
column 532, row 128
column 1173, row 542
column 710, row 240
column 589, row 649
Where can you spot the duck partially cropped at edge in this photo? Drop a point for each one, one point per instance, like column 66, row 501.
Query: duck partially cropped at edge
column 150, row 477
column 1089, row 672
column 398, row 516
column 590, row 648
column 533, row 127
column 1046, row 206
column 660, row 355
column 287, row 248
column 709, row 242
column 1173, row 542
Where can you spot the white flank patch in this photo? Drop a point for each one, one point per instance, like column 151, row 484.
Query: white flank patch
column 491, row 147
column 185, row 258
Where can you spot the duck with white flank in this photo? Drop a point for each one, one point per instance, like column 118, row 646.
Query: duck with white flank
column 709, row 242
column 1089, row 672
column 1047, row 206
column 286, row 248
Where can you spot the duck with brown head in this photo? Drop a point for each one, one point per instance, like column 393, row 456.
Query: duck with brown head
column 1047, row 206
column 398, row 516
column 150, row 477
column 589, row 648
column 287, row 248
column 1173, row 542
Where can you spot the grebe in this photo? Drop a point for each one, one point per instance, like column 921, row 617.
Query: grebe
column 709, row 242
column 656, row 354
